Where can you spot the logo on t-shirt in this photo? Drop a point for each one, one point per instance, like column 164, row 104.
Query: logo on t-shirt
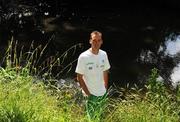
column 90, row 65
column 90, row 68
column 103, row 61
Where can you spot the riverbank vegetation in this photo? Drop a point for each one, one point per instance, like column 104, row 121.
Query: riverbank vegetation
column 28, row 97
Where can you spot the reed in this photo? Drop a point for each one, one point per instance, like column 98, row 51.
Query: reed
column 26, row 97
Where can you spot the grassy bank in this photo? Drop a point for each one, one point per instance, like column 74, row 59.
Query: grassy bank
column 24, row 97
column 21, row 100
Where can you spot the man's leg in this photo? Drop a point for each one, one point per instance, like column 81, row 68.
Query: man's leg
column 91, row 106
column 95, row 106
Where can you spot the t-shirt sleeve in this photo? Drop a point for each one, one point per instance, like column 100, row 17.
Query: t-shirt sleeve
column 107, row 64
column 80, row 68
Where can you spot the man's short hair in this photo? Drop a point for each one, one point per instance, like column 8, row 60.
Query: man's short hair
column 95, row 33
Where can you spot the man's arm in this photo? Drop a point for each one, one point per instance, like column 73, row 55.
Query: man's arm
column 105, row 73
column 82, row 84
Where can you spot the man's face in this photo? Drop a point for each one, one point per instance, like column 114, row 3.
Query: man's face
column 96, row 41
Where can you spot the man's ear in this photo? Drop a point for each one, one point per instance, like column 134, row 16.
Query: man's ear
column 90, row 42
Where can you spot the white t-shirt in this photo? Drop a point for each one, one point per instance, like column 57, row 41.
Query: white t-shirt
column 91, row 66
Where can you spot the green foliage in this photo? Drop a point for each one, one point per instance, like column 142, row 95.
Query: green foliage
column 155, row 105
column 153, row 84
column 22, row 100
column 25, row 98
column 35, row 61
column 156, row 89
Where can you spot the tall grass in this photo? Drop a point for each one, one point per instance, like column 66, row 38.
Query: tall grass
column 30, row 93
column 25, row 97
column 22, row 100
column 37, row 60
column 155, row 104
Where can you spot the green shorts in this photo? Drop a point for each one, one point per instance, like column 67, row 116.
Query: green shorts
column 95, row 106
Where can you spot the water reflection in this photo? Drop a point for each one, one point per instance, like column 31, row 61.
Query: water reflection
column 173, row 50
column 175, row 76
column 166, row 59
column 135, row 40
column 172, row 46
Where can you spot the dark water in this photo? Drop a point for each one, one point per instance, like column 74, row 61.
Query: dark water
column 136, row 36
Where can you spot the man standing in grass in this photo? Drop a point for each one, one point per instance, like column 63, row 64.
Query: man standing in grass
column 92, row 74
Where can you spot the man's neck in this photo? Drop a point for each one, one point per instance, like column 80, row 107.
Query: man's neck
column 94, row 51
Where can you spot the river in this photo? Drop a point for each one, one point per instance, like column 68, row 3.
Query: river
column 137, row 38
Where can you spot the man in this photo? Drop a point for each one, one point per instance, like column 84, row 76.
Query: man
column 92, row 74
